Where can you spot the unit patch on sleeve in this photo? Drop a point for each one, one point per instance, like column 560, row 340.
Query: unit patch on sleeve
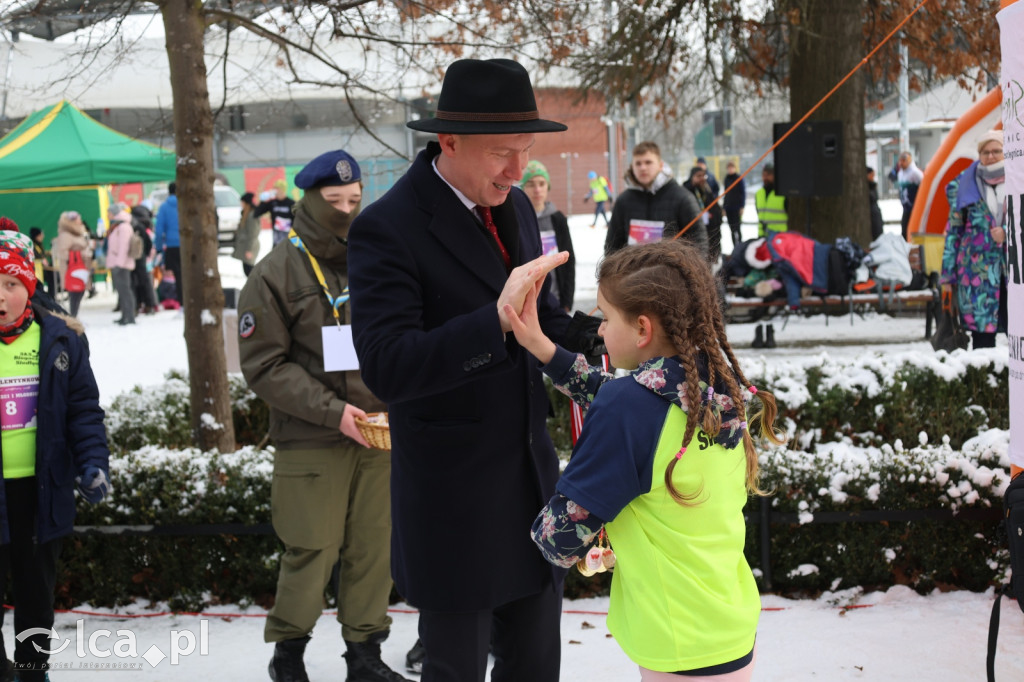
column 246, row 325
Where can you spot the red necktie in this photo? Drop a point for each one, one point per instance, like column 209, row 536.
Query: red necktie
column 485, row 213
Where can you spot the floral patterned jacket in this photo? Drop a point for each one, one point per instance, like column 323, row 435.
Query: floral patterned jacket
column 972, row 260
column 564, row 530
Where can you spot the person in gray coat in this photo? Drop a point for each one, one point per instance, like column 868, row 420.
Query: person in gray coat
column 247, row 238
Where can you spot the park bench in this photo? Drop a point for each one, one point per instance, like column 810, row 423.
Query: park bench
column 880, row 298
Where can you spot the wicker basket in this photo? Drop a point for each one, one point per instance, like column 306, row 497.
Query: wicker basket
column 377, row 435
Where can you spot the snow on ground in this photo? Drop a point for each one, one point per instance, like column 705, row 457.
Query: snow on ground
column 897, row 635
column 893, row 635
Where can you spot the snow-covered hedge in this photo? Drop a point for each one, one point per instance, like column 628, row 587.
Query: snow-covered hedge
column 922, row 553
column 161, row 415
column 877, row 433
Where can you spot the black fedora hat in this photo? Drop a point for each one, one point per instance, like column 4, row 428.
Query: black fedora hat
column 481, row 97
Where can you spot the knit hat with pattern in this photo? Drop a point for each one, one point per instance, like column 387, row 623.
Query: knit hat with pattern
column 16, row 255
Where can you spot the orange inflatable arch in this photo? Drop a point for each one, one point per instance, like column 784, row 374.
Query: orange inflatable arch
column 957, row 151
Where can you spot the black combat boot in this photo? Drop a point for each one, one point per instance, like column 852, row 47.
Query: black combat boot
column 287, row 665
column 364, row 664
column 769, row 340
column 758, row 337
column 414, row 659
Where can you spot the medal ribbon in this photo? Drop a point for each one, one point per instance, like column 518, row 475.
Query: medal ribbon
column 336, row 303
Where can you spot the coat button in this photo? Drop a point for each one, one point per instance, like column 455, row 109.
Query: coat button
column 529, row 439
column 466, row 366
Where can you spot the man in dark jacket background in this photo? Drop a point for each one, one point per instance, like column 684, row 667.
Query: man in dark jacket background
column 653, row 206
column 699, row 186
column 433, row 262
column 734, row 201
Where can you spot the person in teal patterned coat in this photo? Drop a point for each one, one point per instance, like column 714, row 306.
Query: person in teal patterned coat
column 973, row 262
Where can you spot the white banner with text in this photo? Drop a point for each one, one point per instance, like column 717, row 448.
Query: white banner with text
column 1011, row 28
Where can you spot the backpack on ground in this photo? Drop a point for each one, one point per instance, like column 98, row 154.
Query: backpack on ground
column 76, row 277
column 135, row 246
column 1013, row 508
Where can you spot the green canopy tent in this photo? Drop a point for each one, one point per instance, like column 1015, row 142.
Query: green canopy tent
column 59, row 159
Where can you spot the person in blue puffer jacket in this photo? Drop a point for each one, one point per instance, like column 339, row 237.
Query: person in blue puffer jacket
column 166, row 239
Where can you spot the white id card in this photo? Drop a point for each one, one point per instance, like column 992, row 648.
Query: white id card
column 339, row 351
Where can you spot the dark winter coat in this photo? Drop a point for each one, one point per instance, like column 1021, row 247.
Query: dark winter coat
column 665, row 201
column 877, row 225
column 70, row 436
column 551, row 220
column 471, row 459
column 736, row 198
column 706, row 199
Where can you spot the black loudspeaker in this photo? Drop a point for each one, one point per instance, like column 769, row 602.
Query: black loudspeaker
column 230, row 297
column 809, row 163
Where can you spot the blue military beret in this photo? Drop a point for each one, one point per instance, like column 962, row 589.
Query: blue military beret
column 330, row 168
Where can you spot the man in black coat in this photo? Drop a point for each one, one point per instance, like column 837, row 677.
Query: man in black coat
column 472, row 462
column 734, row 202
column 653, row 206
column 699, row 186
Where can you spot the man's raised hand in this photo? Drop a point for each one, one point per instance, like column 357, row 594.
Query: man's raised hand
column 521, row 280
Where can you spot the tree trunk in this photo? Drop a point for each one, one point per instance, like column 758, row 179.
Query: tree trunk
column 212, row 425
column 825, row 44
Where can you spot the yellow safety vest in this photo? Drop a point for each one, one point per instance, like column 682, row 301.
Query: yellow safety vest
column 771, row 212
column 683, row 595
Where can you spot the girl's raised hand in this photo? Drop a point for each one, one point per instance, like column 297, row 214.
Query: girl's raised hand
column 521, row 279
column 526, row 326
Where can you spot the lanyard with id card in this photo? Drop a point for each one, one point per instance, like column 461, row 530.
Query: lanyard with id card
column 339, row 350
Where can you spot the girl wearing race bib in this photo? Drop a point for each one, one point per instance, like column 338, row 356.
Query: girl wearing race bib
column 664, row 464
column 52, row 439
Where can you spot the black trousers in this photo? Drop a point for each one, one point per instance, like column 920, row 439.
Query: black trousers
column 523, row 635
column 142, row 285
column 172, row 261
column 33, row 572
column 735, row 222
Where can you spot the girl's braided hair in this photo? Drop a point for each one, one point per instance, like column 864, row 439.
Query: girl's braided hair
column 671, row 282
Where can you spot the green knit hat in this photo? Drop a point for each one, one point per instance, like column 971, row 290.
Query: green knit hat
column 533, row 169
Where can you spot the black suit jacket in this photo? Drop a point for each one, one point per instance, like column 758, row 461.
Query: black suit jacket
column 472, row 463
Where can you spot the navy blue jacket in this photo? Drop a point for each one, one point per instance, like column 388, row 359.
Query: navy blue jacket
column 70, row 436
column 471, row 460
column 736, row 198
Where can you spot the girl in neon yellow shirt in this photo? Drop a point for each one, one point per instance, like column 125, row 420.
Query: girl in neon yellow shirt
column 664, row 463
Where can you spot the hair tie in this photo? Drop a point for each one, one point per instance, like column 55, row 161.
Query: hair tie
column 752, row 389
column 711, row 392
column 679, row 455
column 743, row 426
